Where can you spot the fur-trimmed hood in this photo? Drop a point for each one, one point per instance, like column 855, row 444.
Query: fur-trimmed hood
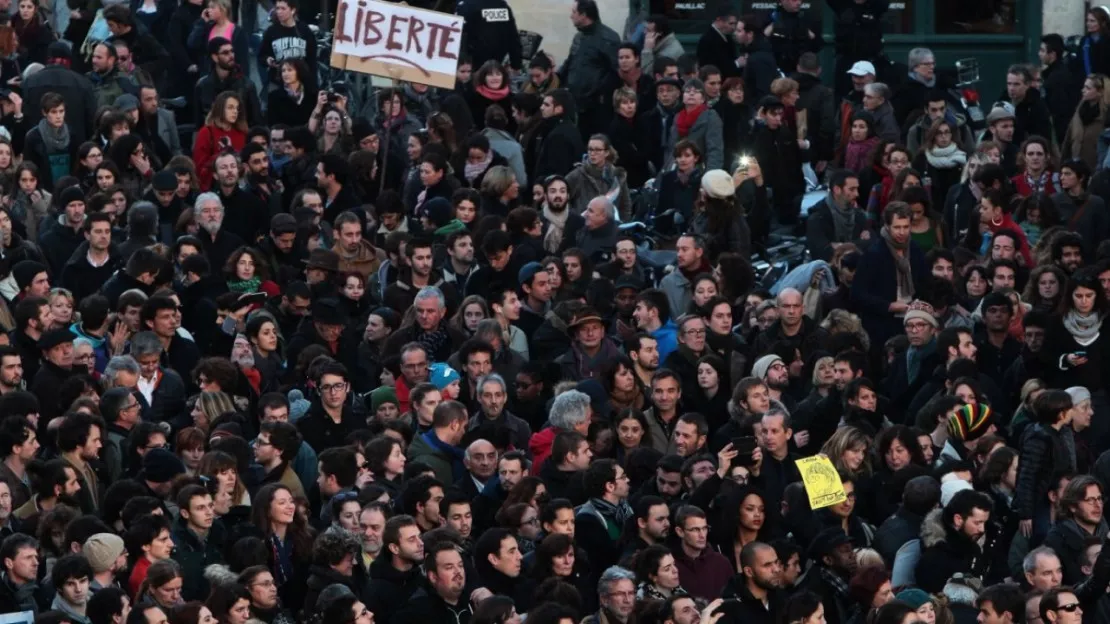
column 932, row 529
column 220, row 574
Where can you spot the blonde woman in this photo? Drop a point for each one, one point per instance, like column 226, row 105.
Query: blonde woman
column 848, row 449
column 1088, row 122
column 499, row 191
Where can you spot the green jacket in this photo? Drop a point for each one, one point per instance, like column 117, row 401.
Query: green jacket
column 194, row 556
column 439, row 461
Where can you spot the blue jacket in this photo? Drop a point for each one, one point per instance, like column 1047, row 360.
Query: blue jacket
column 667, row 339
column 876, row 286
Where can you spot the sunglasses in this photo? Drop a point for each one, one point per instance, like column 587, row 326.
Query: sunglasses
column 1070, row 608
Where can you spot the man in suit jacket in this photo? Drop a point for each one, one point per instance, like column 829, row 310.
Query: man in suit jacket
column 717, row 46
column 481, row 462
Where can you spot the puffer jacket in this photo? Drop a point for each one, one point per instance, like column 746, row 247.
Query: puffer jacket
column 1044, row 453
column 591, row 69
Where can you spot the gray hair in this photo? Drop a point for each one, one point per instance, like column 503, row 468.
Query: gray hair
column 788, row 291
column 569, row 410
column 466, row 452
column 208, row 197
column 918, row 56
column 610, row 577
column 610, row 209
column 145, row 343
column 878, row 89
column 490, row 328
column 427, row 292
column 81, row 341
column 492, row 378
column 118, row 364
column 1029, row 563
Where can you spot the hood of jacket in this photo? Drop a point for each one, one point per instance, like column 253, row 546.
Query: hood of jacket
column 932, row 529
column 382, row 569
column 805, row 81
column 541, row 441
column 1074, row 536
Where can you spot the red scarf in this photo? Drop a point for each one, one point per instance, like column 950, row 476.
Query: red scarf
column 631, row 78
column 685, row 119
column 493, row 94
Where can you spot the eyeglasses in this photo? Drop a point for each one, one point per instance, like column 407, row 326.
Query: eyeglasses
column 694, row 332
column 156, row 446
column 530, row 522
column 259, row 442
column 265, row 584
column 335, row 387
column 1070, row 608
column 916, row 327
column 1094, row 500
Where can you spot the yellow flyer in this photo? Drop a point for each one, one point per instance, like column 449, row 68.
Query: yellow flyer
column 821, row 481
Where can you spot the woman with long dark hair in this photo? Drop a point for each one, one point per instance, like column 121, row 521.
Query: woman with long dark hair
column 1080, row 210
column 618, row 377
column 491, row 86
column 274, row 512
column 293, row 102
column 740, row 519
column 33, row 34
column 736, row 115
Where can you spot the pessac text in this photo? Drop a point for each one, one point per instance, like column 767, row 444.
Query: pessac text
column 405, row 34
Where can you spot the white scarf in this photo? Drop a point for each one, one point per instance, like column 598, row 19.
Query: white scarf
column 558, row 222
column 946, row 157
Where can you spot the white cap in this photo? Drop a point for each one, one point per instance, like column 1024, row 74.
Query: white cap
column 862, row 68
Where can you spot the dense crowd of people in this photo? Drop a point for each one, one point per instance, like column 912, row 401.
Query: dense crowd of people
column 295, row 351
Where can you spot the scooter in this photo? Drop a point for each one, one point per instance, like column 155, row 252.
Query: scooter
column 967, row 89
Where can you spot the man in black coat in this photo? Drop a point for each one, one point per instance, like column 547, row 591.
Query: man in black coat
column 833, row 564
column 755, row 596
column 560, row 143
column 218, row 243
column 1032, row 115
column 226, row 75
column 954, row 546
column 792, row 33
column 1061, row 86
column 80, row 275
column 590, row 71
column 760, row 67
column 655, row 124
column 837, row 220
column 64, row 233
column 57, row 366
column 395, row 573
column 922, row 494
column 245, row 215
column 74, row 88
column 441, row 600
column 718, row 46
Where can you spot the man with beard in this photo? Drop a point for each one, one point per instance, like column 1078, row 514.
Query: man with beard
column 218, row 243
column 759, row 597
column 536, row 293
column 419, row 274
column 957, row 549
column 430, row 329
column 157, row 125
column 506, row 305
column 656, row 124
column 257, row 182
column 356, row 254
column 834, row 564
column 56, row 482
column 459, row 264
column 11, row 370
column 395, row 573
column 560, row 141
column 909, row 373
column 690, row 262
column 79, row 445
column 563, row 225
column 371, row 524
column 32, row 279
column 283, row 257
column 62, row 235
column 226, row 75
column 531, row 396
column 702, row 570
column 441, row 599
column 772, row 370
column 244, row 213
column 1067, row 252
column 33, row 318
column 107, row 82
column 334, row 179
column 653, row 523
column 643, row 350
column 107, row 557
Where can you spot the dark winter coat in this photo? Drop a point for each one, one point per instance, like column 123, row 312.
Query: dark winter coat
column 389, row 589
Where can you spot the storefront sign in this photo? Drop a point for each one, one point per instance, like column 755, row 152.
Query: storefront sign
column 397, row 41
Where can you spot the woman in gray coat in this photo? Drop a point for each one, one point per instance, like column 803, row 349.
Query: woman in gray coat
column 700, row 124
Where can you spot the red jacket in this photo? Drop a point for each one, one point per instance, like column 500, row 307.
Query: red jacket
column 211, row 142
column 1023, row 188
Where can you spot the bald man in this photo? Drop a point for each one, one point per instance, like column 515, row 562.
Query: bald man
column 794, row 331
column 480, row 459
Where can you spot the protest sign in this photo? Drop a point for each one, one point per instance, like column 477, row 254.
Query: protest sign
column 821, row 481
column 397, row 41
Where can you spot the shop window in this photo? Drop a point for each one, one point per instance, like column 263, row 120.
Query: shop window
column 898, row 20
column 961, row 17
